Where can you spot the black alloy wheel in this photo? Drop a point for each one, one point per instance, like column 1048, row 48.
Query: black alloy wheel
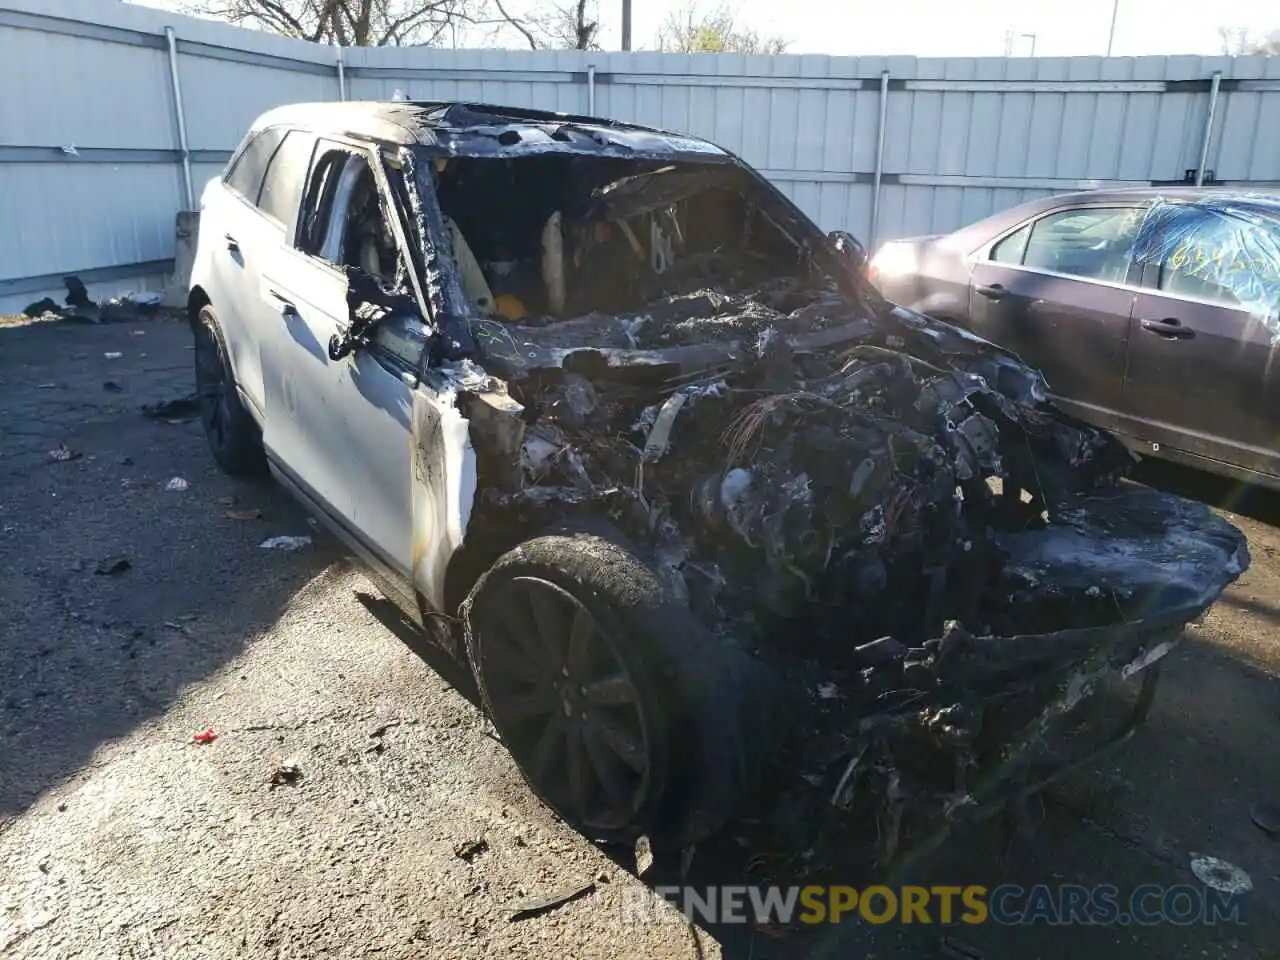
column 566, row 703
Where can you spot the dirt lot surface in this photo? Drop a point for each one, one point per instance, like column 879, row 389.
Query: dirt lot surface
column 398, row 826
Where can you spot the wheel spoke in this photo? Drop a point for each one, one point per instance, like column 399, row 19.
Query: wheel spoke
column 581, row 630
column 611, row 691
column 518, row 627
column 629, row 750
column 578, row 786
column 512, row 661
column 549, row 746
column 535, row 702
column 550, row 622
column 606, row 768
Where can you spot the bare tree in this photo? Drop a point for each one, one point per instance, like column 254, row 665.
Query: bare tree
column 1239, row 42
column 1268, row 46
column 569, row 26
column 360, row 23
column 693, row 30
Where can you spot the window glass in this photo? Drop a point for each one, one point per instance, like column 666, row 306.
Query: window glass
column 1012, row 247
column 1226, row 261
column 282, row 185
column 245, row 174
column 1094, row 242
column 313, row 226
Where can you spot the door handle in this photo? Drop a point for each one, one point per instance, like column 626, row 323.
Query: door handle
column 287, row 306
column 232, row 243
column 993, row 292
column 1170, row 328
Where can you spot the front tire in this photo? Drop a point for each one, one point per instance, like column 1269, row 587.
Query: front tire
column 620, row 709
column 234, row 437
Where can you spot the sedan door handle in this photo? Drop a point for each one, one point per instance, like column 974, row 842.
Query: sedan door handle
column 232, row 243
column 287, row 306
column 993, row 292
column 1170, row 328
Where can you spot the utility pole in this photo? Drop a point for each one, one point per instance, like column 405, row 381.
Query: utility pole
column 1032, row 38
column 1111, row 34
column 626, row 24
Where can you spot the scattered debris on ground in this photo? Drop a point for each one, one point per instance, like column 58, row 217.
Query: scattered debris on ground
column 1220, row 875
column 288, row 772
column 113, row 565
column 468, row 850
column 81, row 308
column 285, row 544
column 251, row 513
column 177, row 484
column 1266, row 816
column 63, row 454
column 205, row 736
column 524, row 909
column 178, row 409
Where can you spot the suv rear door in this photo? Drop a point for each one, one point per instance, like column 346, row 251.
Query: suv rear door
column 1056, row 290
column 241, row 238
column 1203, row 376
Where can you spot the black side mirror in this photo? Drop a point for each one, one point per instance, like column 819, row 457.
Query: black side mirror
column 849, row 250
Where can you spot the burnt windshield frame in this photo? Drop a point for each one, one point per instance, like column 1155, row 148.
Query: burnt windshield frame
column 440, row 275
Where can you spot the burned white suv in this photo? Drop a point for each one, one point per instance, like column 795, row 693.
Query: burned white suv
column 702, row 510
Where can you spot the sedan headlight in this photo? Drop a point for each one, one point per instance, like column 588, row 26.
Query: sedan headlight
column 892, row 260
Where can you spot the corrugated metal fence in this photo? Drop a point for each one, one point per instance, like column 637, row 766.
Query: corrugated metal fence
column 92, row 149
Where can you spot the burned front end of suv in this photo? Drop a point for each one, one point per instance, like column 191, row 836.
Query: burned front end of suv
column 936, row 569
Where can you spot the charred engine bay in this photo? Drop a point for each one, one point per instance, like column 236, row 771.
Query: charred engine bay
column 857, row 492
column 888, row 509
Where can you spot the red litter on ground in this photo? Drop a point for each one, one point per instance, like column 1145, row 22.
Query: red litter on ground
column 207, row 735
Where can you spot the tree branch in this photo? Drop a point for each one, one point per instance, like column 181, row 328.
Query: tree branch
column 528, row 34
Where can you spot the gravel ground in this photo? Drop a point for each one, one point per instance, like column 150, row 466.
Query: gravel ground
column 398, row 827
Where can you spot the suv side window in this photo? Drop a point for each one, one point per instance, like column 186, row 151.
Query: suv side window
column 343, row 222
column 282, row 185
column 1095, row 243
column 245, row 173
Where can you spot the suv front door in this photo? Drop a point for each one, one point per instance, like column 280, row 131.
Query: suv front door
column 1203, row 376
column 1056, row 291
column 338, row 427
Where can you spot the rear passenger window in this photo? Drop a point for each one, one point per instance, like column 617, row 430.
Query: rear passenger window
column 245, row 174
column 1228, row 262
column 1012, row 247
column 282, row 185
column 1095, row 243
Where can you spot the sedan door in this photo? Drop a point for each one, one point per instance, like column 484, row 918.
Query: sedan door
column 338, row 424
column 1056, row 291
column 1203, row 376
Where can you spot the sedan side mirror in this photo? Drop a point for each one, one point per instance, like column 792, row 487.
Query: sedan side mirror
column 851, row 252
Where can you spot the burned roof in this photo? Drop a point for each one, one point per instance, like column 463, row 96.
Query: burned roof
column 476, row 129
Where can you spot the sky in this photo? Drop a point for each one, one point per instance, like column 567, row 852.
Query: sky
column 939, row 28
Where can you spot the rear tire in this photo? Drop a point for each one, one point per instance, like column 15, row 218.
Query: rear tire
column 621, row 710
column 233, row 435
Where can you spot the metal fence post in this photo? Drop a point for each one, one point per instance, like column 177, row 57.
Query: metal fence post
column 591, row 89
column 342, row 76
column 875, row 182
column 181, row 115
column 1214, row 86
